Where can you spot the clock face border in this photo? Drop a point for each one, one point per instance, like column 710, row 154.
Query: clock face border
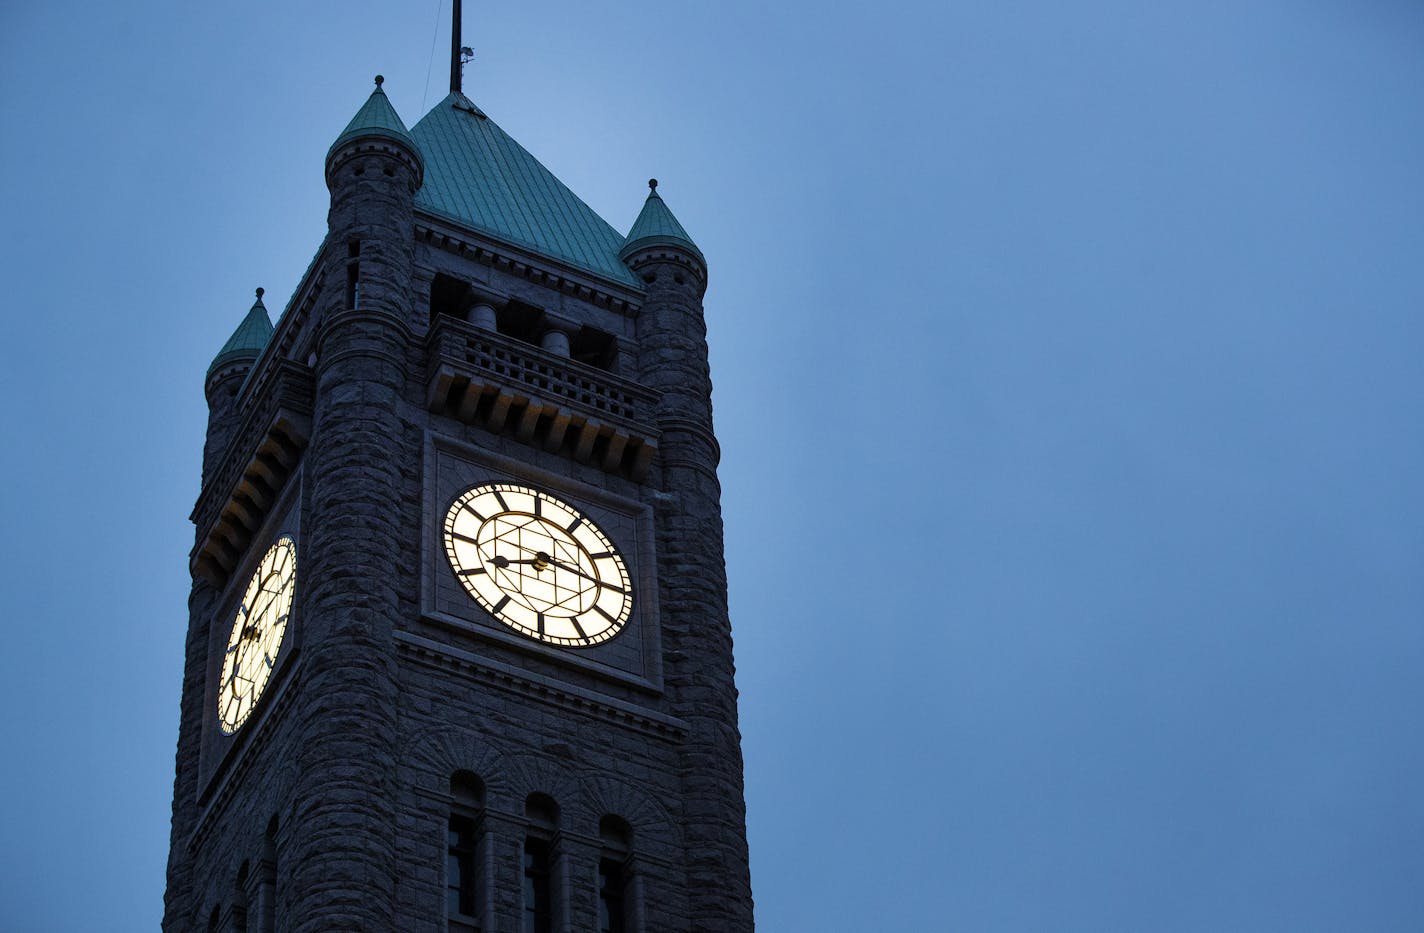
column 260, row 624
column 616, row 505
column 538, row 564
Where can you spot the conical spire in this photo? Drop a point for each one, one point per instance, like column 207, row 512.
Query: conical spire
column 250, row 338
column 656, row 226
column 376, row 118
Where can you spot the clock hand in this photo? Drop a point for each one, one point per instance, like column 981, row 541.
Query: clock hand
column 544, row 560
column 577, row 572
column 271, row 597
column 540, row 562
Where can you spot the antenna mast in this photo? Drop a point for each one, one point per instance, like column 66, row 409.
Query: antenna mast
column 456, row 66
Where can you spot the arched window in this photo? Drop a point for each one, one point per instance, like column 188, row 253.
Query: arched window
column 542, row 815
column 462, row 888
column 616, row 838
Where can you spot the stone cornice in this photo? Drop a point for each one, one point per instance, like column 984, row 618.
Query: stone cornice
column 442, row 234
column 219, row 793
column 379, row 145
column 643, row 255
column 533, row 686
column 263, row 453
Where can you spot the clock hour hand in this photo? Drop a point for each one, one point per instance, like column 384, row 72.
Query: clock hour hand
column 542, row 561
column 501, row 561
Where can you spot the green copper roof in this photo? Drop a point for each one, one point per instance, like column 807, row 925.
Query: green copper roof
column 247, row 341
column 476, row 175
column 656, row 224
column 375, row 118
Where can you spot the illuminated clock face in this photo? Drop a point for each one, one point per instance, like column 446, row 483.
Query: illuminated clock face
column 538, row 565
column 257, row 634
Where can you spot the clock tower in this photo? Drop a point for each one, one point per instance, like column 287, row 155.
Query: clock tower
column 458, row 655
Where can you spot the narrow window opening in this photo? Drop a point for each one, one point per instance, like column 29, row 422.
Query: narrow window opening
column 537, row 913
column 353, row 273
column 447, row 296
column 612, row 915
column 614, row 875
column 460, row 868
column 594, row 347
column 521, row 321
column 542, row 815
column 462, row 887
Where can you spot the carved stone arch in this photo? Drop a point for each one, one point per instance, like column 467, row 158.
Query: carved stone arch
column 433, row 755
column 655, row 831
column 529, row 774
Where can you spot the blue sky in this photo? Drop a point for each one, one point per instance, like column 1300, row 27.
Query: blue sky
column 1067, row 364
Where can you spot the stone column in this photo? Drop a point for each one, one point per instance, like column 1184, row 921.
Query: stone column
column 482, row 314
column 556, row 341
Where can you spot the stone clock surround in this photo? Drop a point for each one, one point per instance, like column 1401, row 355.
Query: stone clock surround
column 634, row 656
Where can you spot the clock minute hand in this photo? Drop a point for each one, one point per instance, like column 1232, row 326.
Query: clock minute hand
column 574, row 570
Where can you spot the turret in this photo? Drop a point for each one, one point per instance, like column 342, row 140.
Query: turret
column 672, row 354
column 225, row 376
column 658, row 237
column 373, row 171
column 342, row 862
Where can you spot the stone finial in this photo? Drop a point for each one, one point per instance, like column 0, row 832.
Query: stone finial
column 380, row 79
column 653, row 184
column 259, row 293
